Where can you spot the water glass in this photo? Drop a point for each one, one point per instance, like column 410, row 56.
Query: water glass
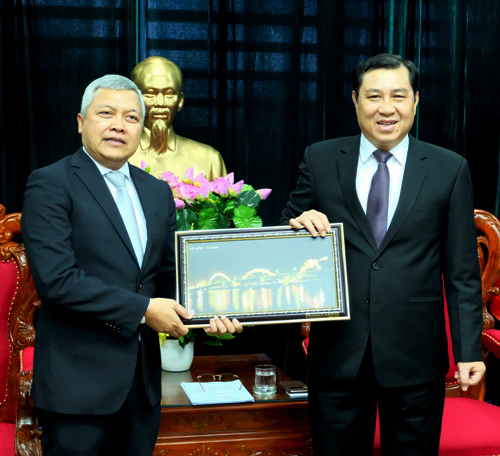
column 265, row 379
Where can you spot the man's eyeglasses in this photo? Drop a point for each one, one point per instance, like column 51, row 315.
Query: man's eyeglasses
column 225, row 377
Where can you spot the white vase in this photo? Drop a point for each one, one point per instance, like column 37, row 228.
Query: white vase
column 174, row 358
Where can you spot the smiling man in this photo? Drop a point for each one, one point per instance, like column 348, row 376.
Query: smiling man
column 407, row 210
column 99, row 238
column 160, row 81
column 386, row 104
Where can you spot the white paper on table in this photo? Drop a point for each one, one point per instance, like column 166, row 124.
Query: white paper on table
column 216, row 392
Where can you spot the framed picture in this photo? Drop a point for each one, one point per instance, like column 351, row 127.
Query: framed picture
column 262, row 276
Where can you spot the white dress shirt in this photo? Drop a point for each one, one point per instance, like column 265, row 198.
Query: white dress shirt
column 367, row 165
column 129, row 185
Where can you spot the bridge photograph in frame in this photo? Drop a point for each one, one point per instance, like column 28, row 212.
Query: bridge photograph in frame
column 263, row 275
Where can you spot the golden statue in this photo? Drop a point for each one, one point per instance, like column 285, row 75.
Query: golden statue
column 160, row 82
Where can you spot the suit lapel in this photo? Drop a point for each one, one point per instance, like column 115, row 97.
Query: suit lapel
column 415, row 170
column 347, row 169
column 88, row 173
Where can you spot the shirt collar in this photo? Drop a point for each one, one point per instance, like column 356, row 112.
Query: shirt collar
column 124, row 169
column 400, row 152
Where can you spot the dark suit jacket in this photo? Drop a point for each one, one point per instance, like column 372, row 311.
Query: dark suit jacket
column 396, row 292
column 93, row 292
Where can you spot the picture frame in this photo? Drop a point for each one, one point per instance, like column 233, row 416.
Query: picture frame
column 265, row 275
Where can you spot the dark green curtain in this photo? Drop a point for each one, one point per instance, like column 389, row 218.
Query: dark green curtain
column 266, row 78
column 263, row 79
column 50, row 51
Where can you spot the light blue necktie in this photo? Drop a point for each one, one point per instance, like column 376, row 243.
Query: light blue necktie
column 378, row 199
column 126, row 208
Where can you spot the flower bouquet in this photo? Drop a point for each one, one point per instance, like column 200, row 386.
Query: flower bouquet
column 204, row 205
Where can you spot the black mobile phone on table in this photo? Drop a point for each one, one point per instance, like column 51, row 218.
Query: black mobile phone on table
column 293, row 386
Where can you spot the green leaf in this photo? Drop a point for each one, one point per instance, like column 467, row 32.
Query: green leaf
column 188, row 338
column 216, row 341
column 214, row 201
column 249, row 198
column 208, row 219
column 246, row 217
column 213, row 342
column 224, row 221
column 246, row 187
column 226, row 336
column 182, row 342
column 186, row 220
column 214, row 197
column 229, row 209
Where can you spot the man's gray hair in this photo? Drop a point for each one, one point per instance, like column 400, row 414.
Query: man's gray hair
column 111, row 82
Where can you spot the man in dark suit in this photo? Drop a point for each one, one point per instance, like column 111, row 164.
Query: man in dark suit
column 100, row 252
column 407, row 210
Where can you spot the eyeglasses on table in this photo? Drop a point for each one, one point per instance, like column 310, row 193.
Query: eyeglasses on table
column 224, row 377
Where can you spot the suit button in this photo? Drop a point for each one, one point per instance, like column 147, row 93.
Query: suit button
column 368, row 301
column 376, row 266
column 139, row 286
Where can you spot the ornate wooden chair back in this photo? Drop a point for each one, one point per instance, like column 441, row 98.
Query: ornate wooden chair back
column 18, row 303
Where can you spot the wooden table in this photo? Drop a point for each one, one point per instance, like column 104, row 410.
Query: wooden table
column 275, row 426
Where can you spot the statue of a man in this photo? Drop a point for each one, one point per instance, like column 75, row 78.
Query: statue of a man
column 160, row 82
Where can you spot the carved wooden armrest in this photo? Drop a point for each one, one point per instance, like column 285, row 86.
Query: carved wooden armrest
column 27, row 431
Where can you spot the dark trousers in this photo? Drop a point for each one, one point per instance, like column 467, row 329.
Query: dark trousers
column 343, row 415
column 131, row 431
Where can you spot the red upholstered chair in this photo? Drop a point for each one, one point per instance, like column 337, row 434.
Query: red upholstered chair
column 471, row 427
column 19, row 434
column 491, row 337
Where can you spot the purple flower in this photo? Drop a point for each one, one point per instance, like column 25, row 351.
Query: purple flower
column 190, row 189
column 187, row 191
column 221, row 186
column 199, row 178
column 179, row 204
column 236, row 188
column 171, row 178
column 205, row 189
column 189, row 174
column 204, row 185
column 264, row 192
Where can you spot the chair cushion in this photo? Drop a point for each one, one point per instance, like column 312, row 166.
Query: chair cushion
column 470, row 428
column 495, row 306
column 27, row 359
column 9, row 281
column 7, row 439
column 495, row 303
column 491, row 341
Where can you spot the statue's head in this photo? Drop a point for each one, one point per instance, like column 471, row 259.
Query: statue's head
column 160, row 82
